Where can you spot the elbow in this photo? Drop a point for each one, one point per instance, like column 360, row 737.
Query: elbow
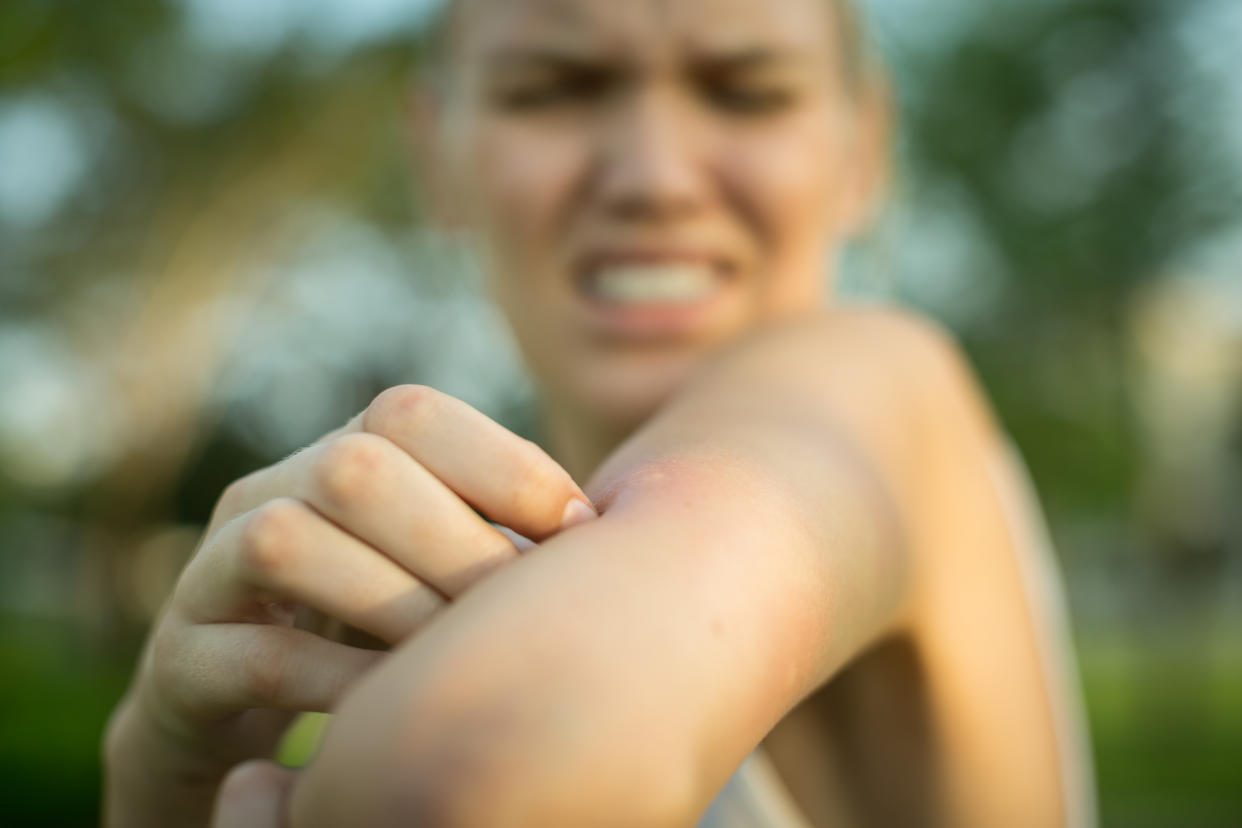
column 482, row 786
column 412, row 780
column 519, row 799
column 472, row 774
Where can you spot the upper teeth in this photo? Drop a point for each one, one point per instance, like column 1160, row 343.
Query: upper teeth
column 648, row 283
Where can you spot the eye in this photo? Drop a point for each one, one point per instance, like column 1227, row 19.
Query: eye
column 553, row 90
column 750, row 98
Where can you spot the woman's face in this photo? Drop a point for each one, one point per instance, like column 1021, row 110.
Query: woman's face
column 650, row 178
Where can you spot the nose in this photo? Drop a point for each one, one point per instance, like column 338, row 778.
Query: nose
column 651, row 165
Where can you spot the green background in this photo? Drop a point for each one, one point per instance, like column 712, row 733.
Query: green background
column 210, row 252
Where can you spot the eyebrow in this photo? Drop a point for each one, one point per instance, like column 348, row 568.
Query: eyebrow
column 518, row 56
column 711, row 61
column 754, row 57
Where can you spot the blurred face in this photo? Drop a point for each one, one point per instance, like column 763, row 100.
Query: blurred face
column 650, row 179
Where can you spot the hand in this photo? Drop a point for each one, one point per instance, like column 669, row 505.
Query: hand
column 372, row 526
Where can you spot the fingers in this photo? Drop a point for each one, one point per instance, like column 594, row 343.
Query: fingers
column 254, row 795
column 372, row 489
column 509, row 479
column 285, row 552
column 231, row 667
column 391, row 501
column 401, row 478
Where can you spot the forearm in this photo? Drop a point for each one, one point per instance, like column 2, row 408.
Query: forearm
column 575, row 683
column 623, row 669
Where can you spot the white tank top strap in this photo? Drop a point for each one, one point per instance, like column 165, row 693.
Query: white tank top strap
column 754, row 797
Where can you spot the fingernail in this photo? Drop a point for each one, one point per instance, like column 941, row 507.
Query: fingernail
column 576, row 512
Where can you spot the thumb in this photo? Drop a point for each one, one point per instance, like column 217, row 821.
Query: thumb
column 254, row 795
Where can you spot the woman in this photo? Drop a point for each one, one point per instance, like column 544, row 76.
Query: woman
column 801, row 528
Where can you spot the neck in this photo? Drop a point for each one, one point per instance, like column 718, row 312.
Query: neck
column 578, row 441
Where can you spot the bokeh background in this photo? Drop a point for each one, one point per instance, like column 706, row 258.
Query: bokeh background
column 211, row 252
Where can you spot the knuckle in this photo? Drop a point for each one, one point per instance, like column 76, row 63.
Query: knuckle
column 234, row 495
column 348, row 468
column 268, row 538
column 403, row 409
column 165, row 650
column 171, row 666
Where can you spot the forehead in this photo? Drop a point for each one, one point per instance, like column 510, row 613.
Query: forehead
column 647, row 26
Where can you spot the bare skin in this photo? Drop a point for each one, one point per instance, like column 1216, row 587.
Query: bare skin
column 371, row 527
column 810, row 533
column 732, row 573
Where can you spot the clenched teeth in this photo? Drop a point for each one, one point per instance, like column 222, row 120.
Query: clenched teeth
column 653, row 284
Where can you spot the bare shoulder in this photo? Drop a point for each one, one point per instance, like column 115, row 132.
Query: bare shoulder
column 921, row 353
column 983, row 651
column 893, row 381
column 883, row 350
column 889, row 328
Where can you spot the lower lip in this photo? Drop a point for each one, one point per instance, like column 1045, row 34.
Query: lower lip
column 656, row 320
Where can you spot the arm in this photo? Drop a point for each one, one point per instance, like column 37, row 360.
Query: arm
column 751, row 544
column 371, row 527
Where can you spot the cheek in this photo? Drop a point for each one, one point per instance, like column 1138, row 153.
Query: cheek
column 524, row 180
column 789, row 182
column 790, row 185
column 521, row 184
